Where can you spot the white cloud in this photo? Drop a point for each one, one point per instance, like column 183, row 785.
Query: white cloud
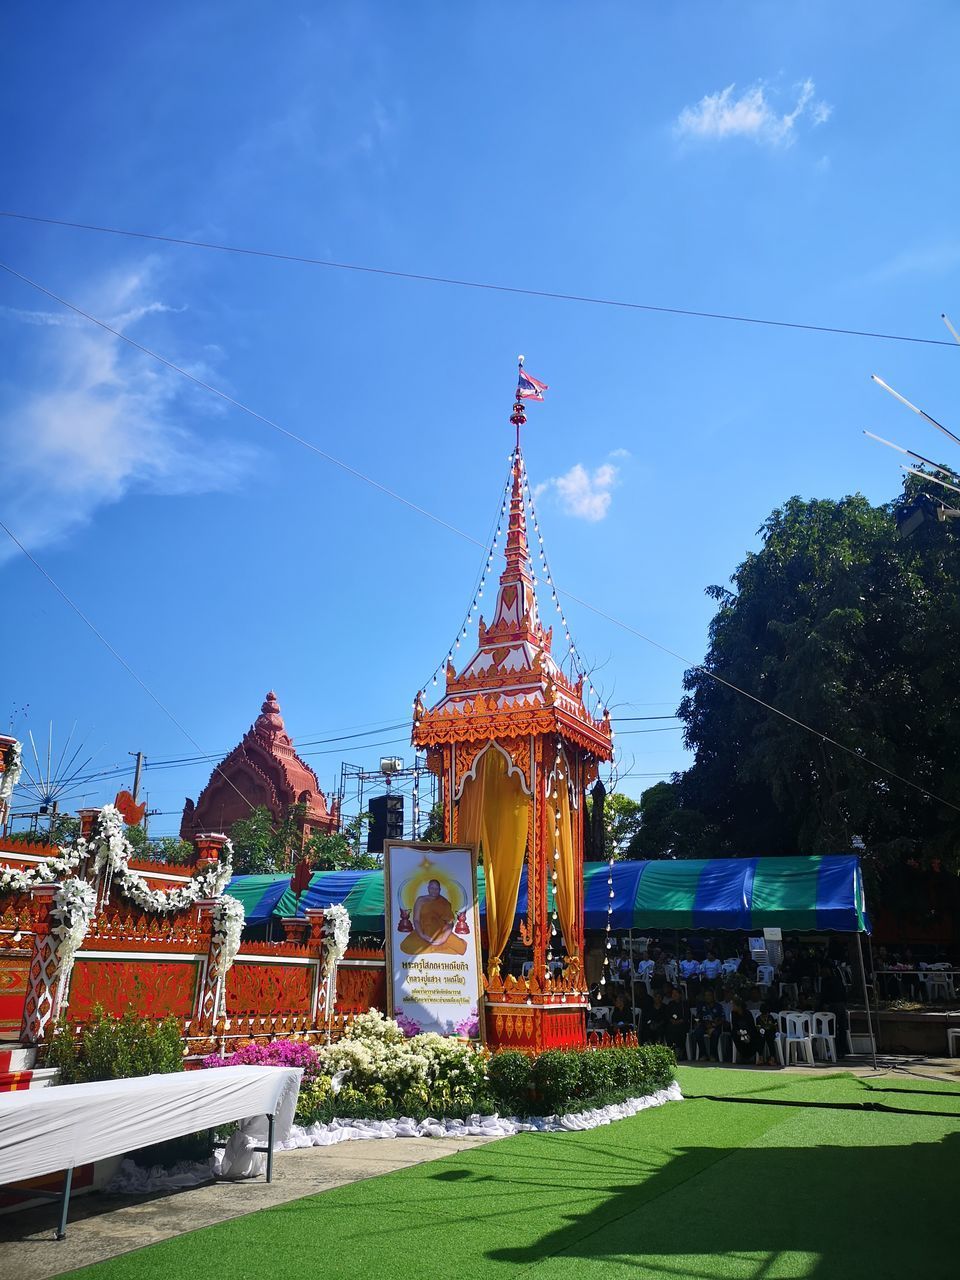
column 751, row 114
column 99, row 421
column 583, row 493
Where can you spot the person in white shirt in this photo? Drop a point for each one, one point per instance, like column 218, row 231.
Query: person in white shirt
column 711, row 967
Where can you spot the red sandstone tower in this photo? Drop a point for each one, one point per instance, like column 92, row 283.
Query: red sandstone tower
column 263, row 769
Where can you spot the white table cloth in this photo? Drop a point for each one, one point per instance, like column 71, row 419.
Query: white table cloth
column 49, row 1130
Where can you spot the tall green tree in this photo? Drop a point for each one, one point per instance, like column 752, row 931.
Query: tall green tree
column 843, row 624
column 621, row 821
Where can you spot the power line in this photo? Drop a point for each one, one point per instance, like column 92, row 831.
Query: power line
column 456, row 282
column 625, row 626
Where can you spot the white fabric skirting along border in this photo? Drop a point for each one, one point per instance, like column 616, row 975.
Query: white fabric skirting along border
column 327, row 1135
column 132, row 1180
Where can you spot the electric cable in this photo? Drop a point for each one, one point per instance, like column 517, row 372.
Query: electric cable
column 487, row 286
column 617, row 622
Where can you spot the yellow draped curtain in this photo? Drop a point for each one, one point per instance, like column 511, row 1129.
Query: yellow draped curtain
column 492, row 813
column 560, row 839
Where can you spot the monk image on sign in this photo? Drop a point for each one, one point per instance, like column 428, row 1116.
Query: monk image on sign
column 433, row 921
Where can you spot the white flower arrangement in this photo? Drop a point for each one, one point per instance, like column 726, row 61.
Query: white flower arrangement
column 72, row 910
column 336, row 935
column 112, row 853
column 13, row 767
column 228, row 918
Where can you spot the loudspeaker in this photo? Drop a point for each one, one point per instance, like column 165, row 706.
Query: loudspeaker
column 386, row 821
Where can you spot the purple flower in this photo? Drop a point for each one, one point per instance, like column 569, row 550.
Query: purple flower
column 469, row 1028
column 407, row 1025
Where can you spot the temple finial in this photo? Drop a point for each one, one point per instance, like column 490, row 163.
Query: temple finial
column 518, row 418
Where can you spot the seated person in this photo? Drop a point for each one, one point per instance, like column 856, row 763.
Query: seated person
column 689, row 966
column 707, row 1025
column 433, row 921
column 621, row 1015
column 654, row 1022
column 767, row 1027
column 711, row 967
column 746, row 1037
column 675, row 1031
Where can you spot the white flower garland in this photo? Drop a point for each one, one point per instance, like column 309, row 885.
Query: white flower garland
column 336, row 935
column 19, row 880
column 72, row 910
column 112, row 854
column 228, row 918
column 13, row 767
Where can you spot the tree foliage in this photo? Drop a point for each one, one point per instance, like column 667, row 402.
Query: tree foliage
column 843, row 624
column 621, row 822
column 340, row 850
column 262, row 847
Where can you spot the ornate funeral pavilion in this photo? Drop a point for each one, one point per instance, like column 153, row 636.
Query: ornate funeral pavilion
column 263, row 769
column 515, row 747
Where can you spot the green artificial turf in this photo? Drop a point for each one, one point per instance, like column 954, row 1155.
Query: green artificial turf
column 696, row 1189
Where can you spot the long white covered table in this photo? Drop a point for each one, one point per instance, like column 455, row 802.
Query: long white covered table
column 44, row 1131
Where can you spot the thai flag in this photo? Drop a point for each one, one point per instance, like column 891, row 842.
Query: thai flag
column 529, row 388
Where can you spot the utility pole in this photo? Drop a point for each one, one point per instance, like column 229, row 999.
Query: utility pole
column 138, row 771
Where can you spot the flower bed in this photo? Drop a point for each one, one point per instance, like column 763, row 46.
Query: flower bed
column 377, row 1073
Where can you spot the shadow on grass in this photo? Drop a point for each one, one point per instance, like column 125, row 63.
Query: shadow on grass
column 823, row 1205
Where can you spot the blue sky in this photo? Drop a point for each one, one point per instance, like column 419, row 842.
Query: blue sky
column 791, row 161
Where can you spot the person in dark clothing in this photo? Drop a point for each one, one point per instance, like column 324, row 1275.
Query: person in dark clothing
column 744, row 1030
column 621, row 1015
column 675, row 1032
column 707, row 1026
column 654, row 1021
column 767, row 1026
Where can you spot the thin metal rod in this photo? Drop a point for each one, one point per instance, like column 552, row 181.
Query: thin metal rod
column 866, row 1001
column 271, row 1121
column 900, row 449
column 915, row 409
column 65, row 1204
column 933, row 479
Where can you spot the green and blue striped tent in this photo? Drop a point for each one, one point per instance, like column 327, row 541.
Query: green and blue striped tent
column 800, row 894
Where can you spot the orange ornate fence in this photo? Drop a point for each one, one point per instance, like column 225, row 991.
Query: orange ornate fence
column 162, row 965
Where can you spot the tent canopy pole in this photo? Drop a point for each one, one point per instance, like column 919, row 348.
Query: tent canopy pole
column 866, row 1001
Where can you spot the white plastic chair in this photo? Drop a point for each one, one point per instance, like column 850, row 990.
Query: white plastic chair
column 824, row 1035
column 790, row 988
column 764, row 975
column 730, row 966
column 671, row 972
column 798, row 1038
column 600, row 1015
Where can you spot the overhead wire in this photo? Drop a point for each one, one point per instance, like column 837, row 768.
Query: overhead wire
column 601, row 613
column 462, row 283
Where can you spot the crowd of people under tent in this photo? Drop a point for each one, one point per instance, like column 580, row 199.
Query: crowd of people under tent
column 699, row 1005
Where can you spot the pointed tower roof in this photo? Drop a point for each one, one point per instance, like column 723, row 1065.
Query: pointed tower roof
column 512, row 686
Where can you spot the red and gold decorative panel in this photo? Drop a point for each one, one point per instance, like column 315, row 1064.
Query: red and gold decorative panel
column 360, row 989
column 14, row 975
column 534, row 1028
column 155, row 988
column 268, row 988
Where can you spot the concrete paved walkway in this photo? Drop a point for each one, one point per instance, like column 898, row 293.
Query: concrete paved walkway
column 103, row 1226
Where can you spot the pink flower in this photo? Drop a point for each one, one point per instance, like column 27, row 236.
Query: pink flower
column 278, row 1053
